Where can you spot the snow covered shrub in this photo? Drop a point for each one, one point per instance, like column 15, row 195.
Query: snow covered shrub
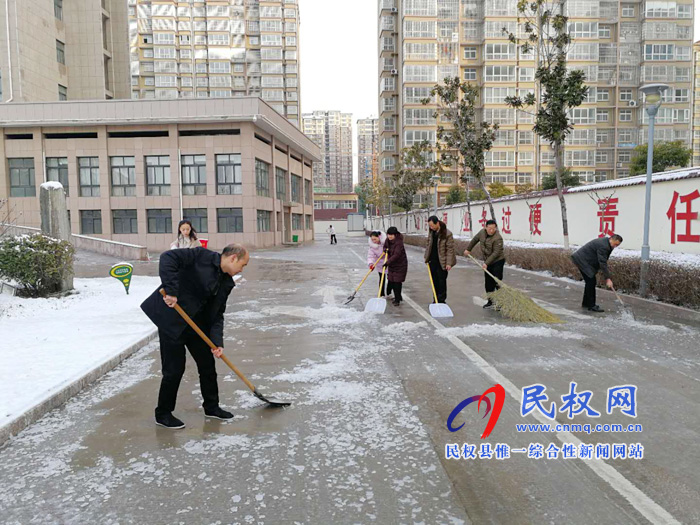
column 36, row 262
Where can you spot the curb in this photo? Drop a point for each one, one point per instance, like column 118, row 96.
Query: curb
column 56, row 399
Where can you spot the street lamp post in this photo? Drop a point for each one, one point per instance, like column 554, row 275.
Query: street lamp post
column 653, row 94
column 436, row 181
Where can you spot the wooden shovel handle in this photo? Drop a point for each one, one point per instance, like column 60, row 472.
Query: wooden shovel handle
column 211, row 344
column 381, row 281
column 430, row 273
column 480, row 266
column 369, row 272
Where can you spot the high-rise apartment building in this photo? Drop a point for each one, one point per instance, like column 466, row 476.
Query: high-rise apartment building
column 619, row 46
column 332, row 131
column 696, row 104
column 63, row 50
column 367, row 148
column 216, row 48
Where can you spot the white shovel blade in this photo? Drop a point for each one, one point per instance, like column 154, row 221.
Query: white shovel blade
column 377, row 305
column 440, row 310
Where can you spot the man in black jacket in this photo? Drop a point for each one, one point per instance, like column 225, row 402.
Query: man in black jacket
column 590, row 258
column 200, row 281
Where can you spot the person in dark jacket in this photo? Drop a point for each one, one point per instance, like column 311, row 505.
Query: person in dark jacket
column 591, row 258
column 200, row 281
column 494, row 255
column 440, row 255
column 397, row 263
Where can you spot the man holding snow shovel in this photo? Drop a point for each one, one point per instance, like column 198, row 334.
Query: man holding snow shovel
column 494, row 255
column 200, row 281
column 440, row 255
column 590, row 258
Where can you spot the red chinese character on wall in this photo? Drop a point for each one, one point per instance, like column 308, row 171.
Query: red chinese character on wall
column 505, row 220
column 483, row 219
column 466, row 228
column 444, row 217
column 607, row 211
column 416, row 222
column 535, row 219
column 688, row 215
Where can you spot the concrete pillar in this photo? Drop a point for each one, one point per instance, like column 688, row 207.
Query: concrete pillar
column 54, row 221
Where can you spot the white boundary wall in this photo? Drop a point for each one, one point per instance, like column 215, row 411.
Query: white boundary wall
column 624, row 214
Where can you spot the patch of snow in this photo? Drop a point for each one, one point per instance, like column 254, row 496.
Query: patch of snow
column 499, row 330
column 246, row 315
column 52, row 185
column 405, row 328
column 340, row 391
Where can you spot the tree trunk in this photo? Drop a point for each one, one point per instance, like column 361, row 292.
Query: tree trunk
column 469, row 208
column 406, row 230
column 488, row 198
column 558, row 167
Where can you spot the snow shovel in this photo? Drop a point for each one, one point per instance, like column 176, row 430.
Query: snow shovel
column 438, row 309
column 189, row 321
column 624, row 306
column 378, row 304
column 352, row 297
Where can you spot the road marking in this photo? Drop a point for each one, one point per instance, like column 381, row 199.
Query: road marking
column 640, row 501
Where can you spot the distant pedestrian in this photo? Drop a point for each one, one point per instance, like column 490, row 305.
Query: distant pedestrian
column 591, row 258
column 396, row 264
column 440, row 255
column 376, row 251
column 331, row 231
column 186, row 236
column 200, row 281
column 494, row 255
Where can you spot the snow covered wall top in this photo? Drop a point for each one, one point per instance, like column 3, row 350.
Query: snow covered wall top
column 593, row 210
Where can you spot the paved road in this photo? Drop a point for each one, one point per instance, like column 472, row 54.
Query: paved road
column 364, row 441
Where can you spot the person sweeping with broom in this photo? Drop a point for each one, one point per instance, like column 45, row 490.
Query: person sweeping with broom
column 440, row 255
column 200, row 281
column 591, row 258
column 494, row 256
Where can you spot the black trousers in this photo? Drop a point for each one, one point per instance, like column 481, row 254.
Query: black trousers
column 172, row 357
column 439, row 280
column 396, row 288
column 497, row 270
column 333, row 239
column 589, row 291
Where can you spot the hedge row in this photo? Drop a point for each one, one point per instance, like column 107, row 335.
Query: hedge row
column 669, row 283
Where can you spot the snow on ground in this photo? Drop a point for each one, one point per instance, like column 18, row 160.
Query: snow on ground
column 49, row 343
column 500, row 330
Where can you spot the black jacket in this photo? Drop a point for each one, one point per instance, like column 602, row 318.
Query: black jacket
column 194, row 276
column 593, row 256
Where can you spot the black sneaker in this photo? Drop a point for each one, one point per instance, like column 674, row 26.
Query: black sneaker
column 218, row 413
column 169, row 421
column 596, row 308
column 488, row 305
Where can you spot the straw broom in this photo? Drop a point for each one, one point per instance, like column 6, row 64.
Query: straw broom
column 516, row 305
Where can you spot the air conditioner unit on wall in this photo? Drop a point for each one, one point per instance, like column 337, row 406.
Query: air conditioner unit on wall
column 394, row 71
column 394, row 10
column 632, row 103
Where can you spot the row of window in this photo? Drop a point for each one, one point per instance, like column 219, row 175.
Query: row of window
column 228, row 220
column 572, row 158
column 229, row 176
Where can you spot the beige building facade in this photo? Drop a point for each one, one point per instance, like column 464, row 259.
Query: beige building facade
column 332, row 131
column 132, row 169
column 696, row 104
column 54, row 50
column 620, row 46
column 216, row 49
column 367, row 148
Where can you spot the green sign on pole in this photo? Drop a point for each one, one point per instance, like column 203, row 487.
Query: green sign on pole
column 122, row 271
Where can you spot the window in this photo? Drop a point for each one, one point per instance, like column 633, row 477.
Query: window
column 604, row 32
column 420, row 8
column 264, row 220
column 308, row 193
column 682, row 53
column 297, row 221
column 625, row 95
column 625, row 136
column 90, row 222
column 420, row 51
column 158, row 175
column 525, row 158
column 58, row 9
column 262, row 178
column 625, row 115
column 418, row 28
column 229, row 178
column 526, row 74
column 412, row 137
column 658, row 52
column 499, row 158
column 194, row 175
column 418, row 117
column 308, row 222
column 583, row 115
column 583, row 29
column 628, row 11
column 420, row 73
column 281, row 183
column 160, row 221
column 57, row 170
column 198, row 218
column 499, row 115
column 603, row 95
column 601, row 157
column 296, row 188
column 22, row 177
column 124, row 221
column 681, row 95
column 602, row 116
column 61, row 52
column 229, row 220
column 500, row 73
column 497, row 95
column 525, row 137
column 470, row 53
column 500, row 52
column 685, row 11
column 123, row 176
column 62, row 92
column 89, row 176
column 469, row 73
column 624, row 156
